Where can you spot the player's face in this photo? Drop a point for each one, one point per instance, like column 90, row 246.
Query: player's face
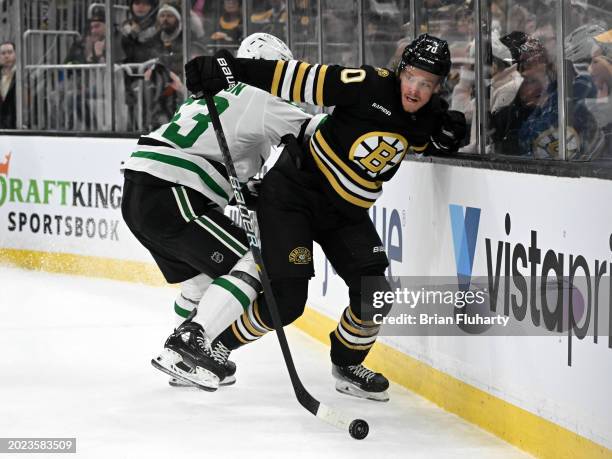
column 417, row 86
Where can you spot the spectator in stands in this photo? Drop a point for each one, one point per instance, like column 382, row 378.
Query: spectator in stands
column 167, row 43
column 383, row 27
column 579, row 45
column 304, row 29
column 91, row 49
column 601, row 65
column 498, row 16
column 136, row 35
column 198, row 7
column 601, row 71
column 529, row 125
column 533, row 66
column 545, row 34
column 463, row 23
column 163, row 89
column 505, row 78
column 138, row 30
column 505, row 82
column 196, row 13
column 208, row 11
column 82, row 92
column 340, row 32
column 578, row 13
column 271, row 18
column 8, row 110
column 229, row 26
column 521, row 20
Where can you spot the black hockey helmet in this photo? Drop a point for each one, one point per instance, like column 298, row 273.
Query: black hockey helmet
column 427, row 53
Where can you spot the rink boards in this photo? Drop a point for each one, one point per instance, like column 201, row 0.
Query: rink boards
column 60, row 211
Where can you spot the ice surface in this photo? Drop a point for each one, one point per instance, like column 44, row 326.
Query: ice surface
column 75, row 363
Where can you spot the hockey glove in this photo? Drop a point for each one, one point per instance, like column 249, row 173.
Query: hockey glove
column 452, row 132
column 211, row 74
column 251, row 192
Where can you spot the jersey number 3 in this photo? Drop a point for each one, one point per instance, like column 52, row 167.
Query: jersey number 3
column 202, row 121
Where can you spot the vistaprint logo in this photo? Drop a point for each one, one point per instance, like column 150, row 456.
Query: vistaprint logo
column 519, row 276
column 465, row 231
column 17, row 193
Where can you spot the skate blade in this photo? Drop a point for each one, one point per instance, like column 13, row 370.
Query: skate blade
column 203, row 379
column 348, row 388
column 174, row 382
column 228, row 381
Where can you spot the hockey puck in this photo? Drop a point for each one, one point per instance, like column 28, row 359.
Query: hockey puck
column 359, row 429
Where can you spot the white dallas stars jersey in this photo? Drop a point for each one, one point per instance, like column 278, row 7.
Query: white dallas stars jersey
column 185, row 150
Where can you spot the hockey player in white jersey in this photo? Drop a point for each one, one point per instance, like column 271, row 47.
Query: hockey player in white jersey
column 175, row 190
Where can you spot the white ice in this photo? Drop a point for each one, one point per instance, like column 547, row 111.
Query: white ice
column 75, row 362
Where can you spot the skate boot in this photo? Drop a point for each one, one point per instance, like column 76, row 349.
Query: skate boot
column 187, row 356
column 359, row 381
column 230, row 377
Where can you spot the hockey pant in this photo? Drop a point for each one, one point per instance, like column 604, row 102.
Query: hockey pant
column 292, row 213
column 194, row 244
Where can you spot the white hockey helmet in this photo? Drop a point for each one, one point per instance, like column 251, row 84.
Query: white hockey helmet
column 264, row 46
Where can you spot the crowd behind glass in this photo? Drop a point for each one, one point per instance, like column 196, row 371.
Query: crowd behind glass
column 72, row 82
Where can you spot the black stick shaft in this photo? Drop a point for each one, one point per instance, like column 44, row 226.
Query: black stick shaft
column 309, row 402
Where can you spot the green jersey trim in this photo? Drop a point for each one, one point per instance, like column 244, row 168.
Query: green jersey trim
column 182, row 169
column 185, row 164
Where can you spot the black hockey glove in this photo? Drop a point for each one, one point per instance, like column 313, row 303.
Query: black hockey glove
column 211, row 74
column 250, row 193
column 453, row 129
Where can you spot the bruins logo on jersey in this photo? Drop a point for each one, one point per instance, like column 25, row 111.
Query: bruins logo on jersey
column 300, row 256
column 377, row 152
column 382, row 72
column 546, row 145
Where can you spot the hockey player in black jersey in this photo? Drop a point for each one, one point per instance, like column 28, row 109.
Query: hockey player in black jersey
column 174, row 194
column 321, row 191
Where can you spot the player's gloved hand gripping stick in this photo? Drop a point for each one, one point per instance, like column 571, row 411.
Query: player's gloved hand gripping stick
column 358, row 428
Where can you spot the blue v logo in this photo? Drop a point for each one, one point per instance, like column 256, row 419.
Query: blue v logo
column 465, row 232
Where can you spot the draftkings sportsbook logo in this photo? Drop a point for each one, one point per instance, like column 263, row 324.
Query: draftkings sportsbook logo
column 4, row 166
column 20, row 195
column 518, row 275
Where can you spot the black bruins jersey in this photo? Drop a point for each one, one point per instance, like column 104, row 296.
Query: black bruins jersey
column 362, row 143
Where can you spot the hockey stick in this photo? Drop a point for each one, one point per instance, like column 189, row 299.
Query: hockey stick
column 358, row 428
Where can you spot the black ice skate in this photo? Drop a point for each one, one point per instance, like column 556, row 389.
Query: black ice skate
column 230, row 377
column 188, row 357
column 359, row 381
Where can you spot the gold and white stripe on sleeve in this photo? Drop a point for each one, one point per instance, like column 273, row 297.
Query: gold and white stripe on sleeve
column 299, row 81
